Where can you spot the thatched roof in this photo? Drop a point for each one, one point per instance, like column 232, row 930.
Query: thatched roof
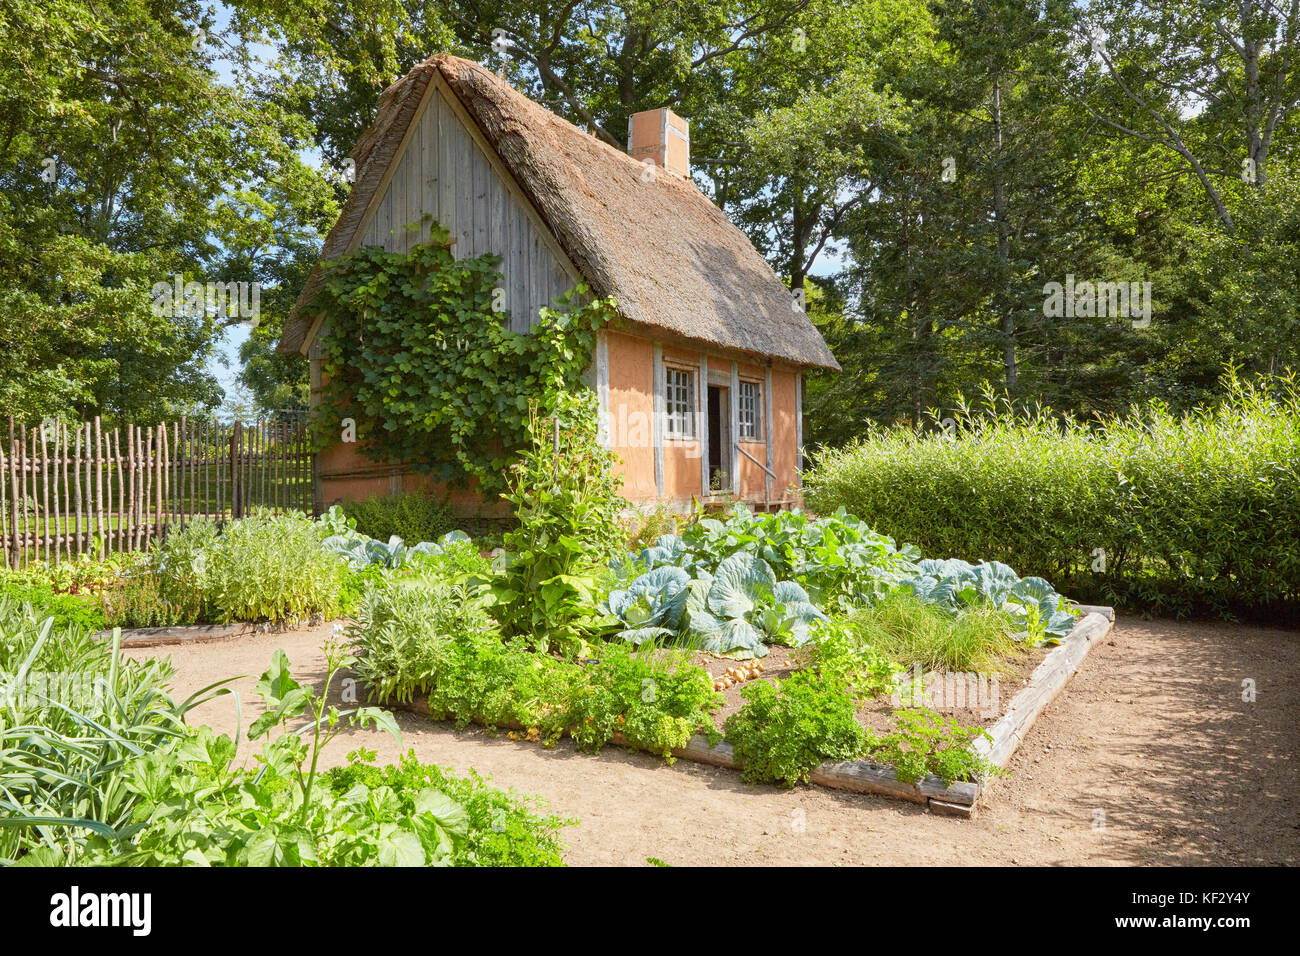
column 671, row 258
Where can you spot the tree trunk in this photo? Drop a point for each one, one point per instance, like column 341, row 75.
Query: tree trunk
column 1004, row 243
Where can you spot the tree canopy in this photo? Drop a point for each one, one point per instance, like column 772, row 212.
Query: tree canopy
column 927, row 171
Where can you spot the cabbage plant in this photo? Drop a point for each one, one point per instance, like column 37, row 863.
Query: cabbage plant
column 736, row 612
column 837, row 560
column 1033, row 602
column 362, row 552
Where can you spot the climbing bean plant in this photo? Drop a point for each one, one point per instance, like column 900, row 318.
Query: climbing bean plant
column 418, row 352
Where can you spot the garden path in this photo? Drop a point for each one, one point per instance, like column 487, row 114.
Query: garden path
column 1152, row 732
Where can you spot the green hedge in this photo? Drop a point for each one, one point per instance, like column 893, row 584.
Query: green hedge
column 1172, row 514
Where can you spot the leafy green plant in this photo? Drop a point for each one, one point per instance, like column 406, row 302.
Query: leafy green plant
column 564, row 493
column 80, row 610
column 651, row 607
column 504, row 829
column 361, row 552
column 262, row 567
column 197, row 808
column 786, row 728
column 838, row 653
column 408, row 516
column 142, row 600
column 419, row 353
column 743, row 607
column 838, row 560
column 336, row 522
column 84, row 575
column 655, row 700
column 405, row 625
column 1043, row 615
column 929, row 743
column 73, row 713
column 480, row 679
column 650, row 524
column 735, row 613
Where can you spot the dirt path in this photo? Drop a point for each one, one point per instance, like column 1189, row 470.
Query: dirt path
column 1152, row 731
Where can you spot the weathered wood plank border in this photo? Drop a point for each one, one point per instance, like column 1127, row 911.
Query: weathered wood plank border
column 181, row 634
column 194, row 633
column 1047, row 681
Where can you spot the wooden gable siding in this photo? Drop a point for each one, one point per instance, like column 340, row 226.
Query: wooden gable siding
column 444, row 172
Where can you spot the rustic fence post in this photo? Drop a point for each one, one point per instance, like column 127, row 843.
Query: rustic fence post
column 236, row 486
column 45, row 493
column 14, row 522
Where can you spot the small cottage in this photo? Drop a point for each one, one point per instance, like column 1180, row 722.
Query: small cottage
column 700, row 383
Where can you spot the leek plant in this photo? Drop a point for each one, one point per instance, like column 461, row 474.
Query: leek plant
column 73, row 712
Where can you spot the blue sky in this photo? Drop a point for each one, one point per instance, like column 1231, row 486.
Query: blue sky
column 224, row 366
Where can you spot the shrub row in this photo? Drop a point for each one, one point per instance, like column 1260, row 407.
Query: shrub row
column 1174, row 514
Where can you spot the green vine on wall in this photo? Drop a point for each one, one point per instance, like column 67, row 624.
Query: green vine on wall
column 419, row 353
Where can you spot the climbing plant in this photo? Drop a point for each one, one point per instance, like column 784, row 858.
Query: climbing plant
column 564, row 492
column 418, row 352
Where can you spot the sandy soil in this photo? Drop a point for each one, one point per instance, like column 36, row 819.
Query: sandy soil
column 1152, row 738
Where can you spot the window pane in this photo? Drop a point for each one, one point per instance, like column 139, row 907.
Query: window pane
column 679, row 403
column 749, row 411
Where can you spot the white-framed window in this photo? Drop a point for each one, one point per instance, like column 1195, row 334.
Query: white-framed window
column 750, row 411
column 679, row 403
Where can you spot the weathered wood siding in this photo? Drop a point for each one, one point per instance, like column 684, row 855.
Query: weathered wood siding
column 446, row 174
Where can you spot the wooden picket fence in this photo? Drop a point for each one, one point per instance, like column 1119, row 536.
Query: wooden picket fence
column 68, row 490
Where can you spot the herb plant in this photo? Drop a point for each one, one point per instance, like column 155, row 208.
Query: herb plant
column 786, row 728
column 929, row 743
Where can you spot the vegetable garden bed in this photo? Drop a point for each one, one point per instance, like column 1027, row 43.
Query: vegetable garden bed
column 958, row 798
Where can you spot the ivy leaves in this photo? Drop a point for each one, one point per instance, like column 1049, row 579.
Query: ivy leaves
column 416, row 353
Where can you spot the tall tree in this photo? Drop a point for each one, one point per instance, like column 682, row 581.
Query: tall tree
column 126, row 161
column 1206, row 93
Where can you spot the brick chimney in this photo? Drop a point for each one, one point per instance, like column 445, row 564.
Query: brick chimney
column 662, row 137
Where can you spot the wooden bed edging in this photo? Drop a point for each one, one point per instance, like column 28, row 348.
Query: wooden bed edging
column 856, row 775
column 960, row 798
column 196, row 633
column 180, row 634
column 1047, row 681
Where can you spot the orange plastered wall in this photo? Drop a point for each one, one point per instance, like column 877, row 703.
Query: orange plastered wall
column 631, row 424
column 630, row 413
column 348, row 475
column 681, row 456
column 784, row 433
